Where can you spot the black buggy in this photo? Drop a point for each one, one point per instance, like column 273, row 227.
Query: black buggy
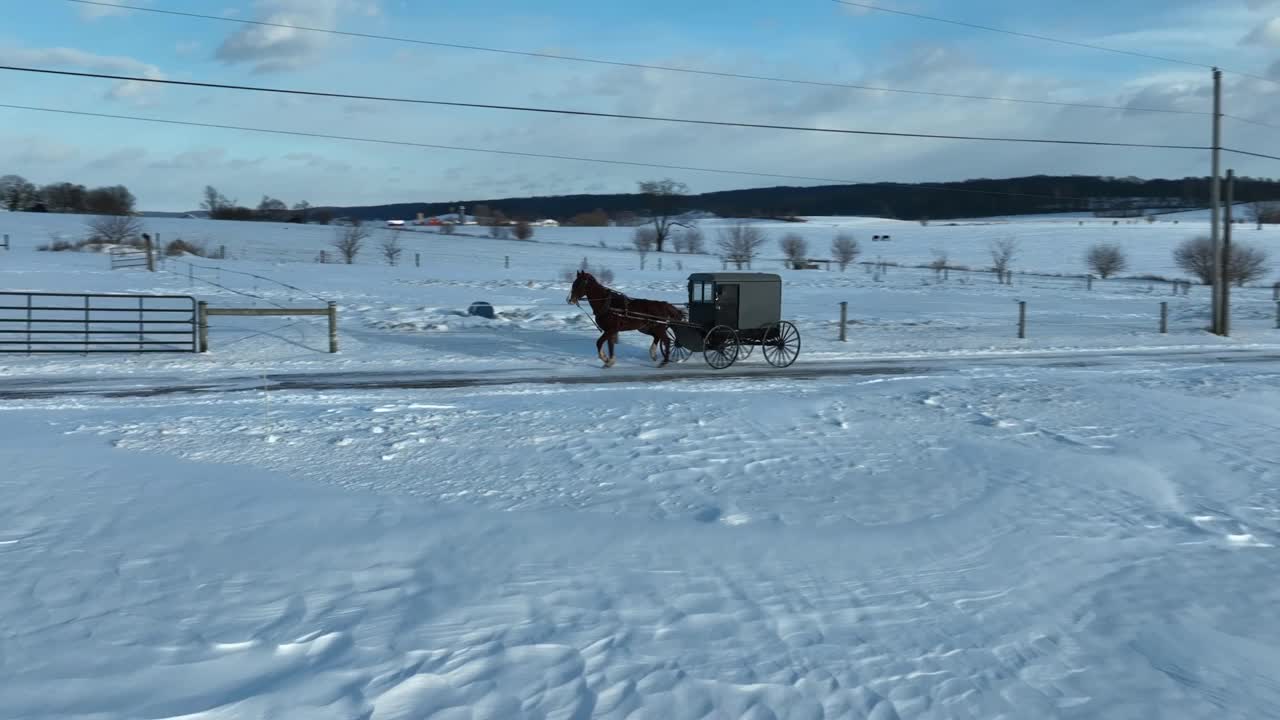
column 731, row 313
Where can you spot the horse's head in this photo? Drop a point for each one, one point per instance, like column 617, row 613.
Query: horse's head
column 581, row 287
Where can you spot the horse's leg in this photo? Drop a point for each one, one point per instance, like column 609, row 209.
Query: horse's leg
column 600, row 347
column 653, row 346
column 613, row 339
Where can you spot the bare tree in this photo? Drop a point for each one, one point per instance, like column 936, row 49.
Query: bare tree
column 348, row 240
column 1003, row 252
column 1106, row 259
column 214, row 200
column 940, row 260
column 63, row 197
column 844, row 250
column 1262, row 212
column 16, row 192
column 523, row 230
column 391, row 248
column 679, row 242
column 664, row 204
column 795, row 248
column 694, row 241
column 644, row 239
column 112, row 200
column 115, row 230
column 272, row 209
column 1245, row 263
column 740, row 244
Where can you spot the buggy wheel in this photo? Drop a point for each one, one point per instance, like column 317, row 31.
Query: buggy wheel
column 720, row 349
column 679, row 353
column 781, row 344
column 745, row 348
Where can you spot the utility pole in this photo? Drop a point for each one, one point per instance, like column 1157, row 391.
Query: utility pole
column 1225, row 271
column 1215, row 230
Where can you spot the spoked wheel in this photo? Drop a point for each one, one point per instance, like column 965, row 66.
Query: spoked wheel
column 781, row 344
column 744, row 348
column 720, row 349
column 679, row 353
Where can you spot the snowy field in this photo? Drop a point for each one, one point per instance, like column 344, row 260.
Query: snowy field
column 932, row 520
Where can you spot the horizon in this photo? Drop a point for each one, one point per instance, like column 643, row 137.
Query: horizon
column 166, row 166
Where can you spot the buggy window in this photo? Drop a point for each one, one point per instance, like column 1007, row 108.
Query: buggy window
column 702, row 293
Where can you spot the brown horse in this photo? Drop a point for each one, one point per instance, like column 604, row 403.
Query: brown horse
column 615, row 312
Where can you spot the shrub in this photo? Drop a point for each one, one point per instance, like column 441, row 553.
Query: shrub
column 182, row 247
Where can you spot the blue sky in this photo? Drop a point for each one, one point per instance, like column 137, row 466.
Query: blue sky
column 814, row 39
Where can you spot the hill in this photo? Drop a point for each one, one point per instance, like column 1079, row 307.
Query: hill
column 962, row 199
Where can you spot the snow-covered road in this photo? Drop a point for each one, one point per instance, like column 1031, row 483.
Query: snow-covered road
column 1020, row 541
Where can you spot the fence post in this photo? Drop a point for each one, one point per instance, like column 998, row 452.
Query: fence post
column 844, row 321
column 417, row 259
column 1022, row 319
column 1275, row 289
column 151, row 254
column 1164, row 318
column 6, row 241
column 333, row 327
column 659, row 263
column 222, row 252
column 506, row 262
column 1088, row 282
column 202, row 323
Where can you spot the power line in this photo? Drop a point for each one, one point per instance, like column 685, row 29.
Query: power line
column 515, row 153
column 642, row 66
column 1259, row 123
column 615, row 116
column 1033, row 36
column 1251, row 154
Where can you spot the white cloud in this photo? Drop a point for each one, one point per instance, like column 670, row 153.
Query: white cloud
column 1266, row 33
column 281, row 46
column 71, row 58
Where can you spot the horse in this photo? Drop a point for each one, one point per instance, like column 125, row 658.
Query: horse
column 615, row 312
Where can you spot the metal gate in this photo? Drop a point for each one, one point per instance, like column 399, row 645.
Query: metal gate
column 38, row 322
column 126, row 258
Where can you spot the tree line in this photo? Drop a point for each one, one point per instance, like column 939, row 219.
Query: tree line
column 961, row 199
column 18, row 194
column 269, row 209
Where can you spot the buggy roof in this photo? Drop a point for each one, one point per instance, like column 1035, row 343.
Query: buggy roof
column 734, row 277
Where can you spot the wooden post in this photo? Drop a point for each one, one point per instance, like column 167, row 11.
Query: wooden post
column 333, row 327
column 844, row 321
column 1225, row 307
column 506, row 262
column 1164, row 318
column 222, row 252
column 6, row 241
column 1088, row 282
column 1022, row 319
column 417, row 259
column 659, row 263
column 202, row 323
column 151, row 254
